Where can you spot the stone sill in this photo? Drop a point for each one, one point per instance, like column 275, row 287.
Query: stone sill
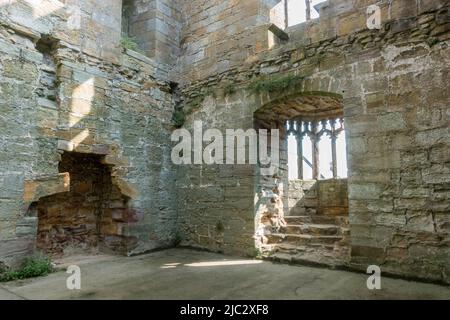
column 320, row 180
column 139, row 56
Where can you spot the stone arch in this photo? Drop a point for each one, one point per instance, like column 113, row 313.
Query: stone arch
column 336, row 82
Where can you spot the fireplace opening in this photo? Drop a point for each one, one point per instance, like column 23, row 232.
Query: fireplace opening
column 91, row 217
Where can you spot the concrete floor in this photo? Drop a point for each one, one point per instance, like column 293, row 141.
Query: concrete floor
column 189, row 274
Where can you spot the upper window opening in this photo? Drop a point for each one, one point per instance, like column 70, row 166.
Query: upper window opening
column 127, row 13
column 298, row 11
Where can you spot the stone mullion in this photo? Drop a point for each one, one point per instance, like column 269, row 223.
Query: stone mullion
column 286, row 13
column 334, row 135
column 333, row 154
column 308, row 9
column 315, row 139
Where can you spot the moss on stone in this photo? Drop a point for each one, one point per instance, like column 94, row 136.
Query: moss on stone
column 178, row 118
column 432, row 41
column 276, row 84
column 196, row 101
column 220, row 227
column 229, row 89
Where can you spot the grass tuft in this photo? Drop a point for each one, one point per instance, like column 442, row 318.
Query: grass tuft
column 32, row 267
column 130, row 43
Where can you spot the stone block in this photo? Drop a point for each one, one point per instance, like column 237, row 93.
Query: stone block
column 374, row 254
column 436, row 174
column 18, row 70
column 351, row 23
column 65, row 145
column 16, row 248
column 391, row 122
column 11, row 186
column 45, row 186
column 358, row 191
column 432, row 137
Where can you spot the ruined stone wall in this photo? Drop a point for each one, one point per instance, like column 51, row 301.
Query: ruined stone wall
column 220, row 35
column 395, row 97
column 68, row 86
column 156, row 26
column 94, row 27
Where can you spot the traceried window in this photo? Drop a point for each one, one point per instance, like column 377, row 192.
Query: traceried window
column 317, row 149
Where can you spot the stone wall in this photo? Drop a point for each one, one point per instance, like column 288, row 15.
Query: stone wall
column 395, row 97
column 220, row 35
column 215, row 202
column 70, row 87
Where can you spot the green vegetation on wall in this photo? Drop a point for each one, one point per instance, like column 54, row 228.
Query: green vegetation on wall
column 178, row 118
column 276, row 84
column 130, row 43
column 229, row 89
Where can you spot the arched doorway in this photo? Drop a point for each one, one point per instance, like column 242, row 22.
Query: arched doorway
column 304, row 217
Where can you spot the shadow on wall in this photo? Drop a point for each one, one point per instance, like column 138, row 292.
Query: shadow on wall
column 318, row 197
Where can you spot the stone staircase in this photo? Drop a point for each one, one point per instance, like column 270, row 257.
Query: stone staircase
column 313, row 239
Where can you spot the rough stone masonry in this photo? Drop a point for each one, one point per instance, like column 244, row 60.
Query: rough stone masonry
column 90, row 92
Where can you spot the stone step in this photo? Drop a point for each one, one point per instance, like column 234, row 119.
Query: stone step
column 317, row 219
column 310, row 259
column 323, row 254
column 334, row 211
column 315, row 229
column 295, row 249
column 302, row 239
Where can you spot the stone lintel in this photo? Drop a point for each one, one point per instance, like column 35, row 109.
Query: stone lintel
column 69, row 146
